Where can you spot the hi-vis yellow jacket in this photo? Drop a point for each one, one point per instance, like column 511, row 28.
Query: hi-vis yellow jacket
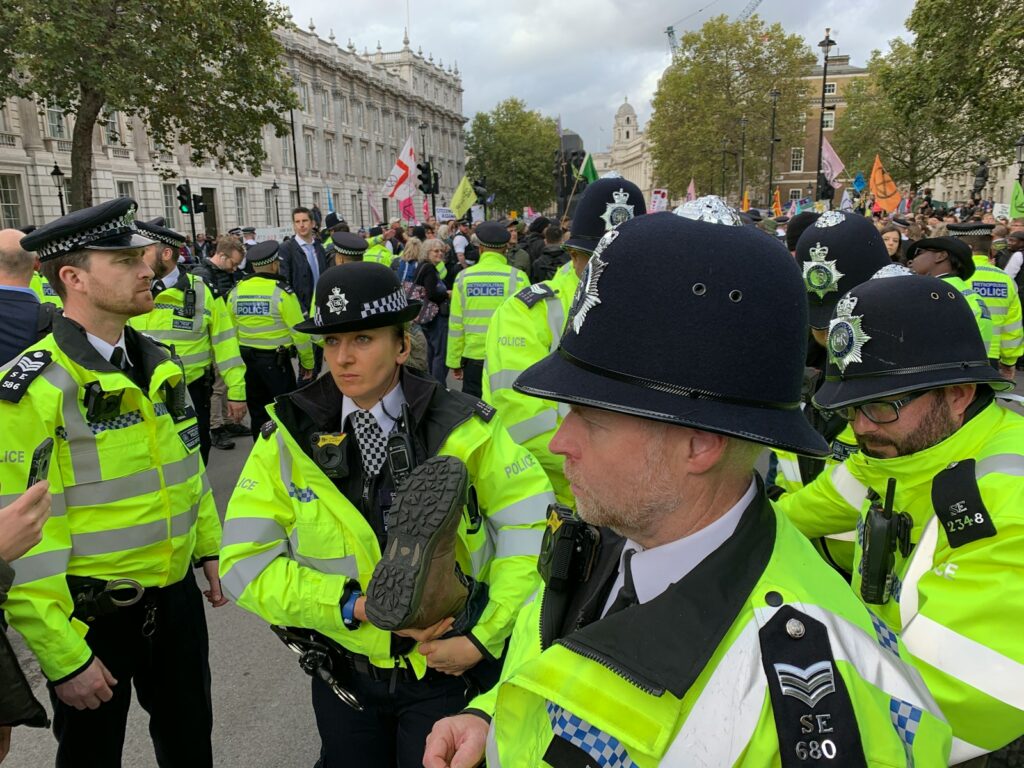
column 130, row 495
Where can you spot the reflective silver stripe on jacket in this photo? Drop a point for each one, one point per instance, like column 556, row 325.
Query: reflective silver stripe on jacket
column 139, row 484
column 85, row 457
column 41, row 566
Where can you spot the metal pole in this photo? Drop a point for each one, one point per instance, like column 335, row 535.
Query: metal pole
column 191, row 211
column 359, row 195
column 295, row 160
column 771, row 152
column 826, row 46
column 60, row 197
column 723, row 171
column 743, row 152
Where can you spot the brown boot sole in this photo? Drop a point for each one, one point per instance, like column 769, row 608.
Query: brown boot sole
column 425, row 512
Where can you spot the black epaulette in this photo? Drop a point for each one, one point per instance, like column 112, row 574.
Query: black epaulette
column 956, row 499
column 15, row 383
column 534, row 293
column 814, row 716
column 484, row 410
column 268, row 429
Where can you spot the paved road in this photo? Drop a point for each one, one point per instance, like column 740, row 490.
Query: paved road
column 262, row 714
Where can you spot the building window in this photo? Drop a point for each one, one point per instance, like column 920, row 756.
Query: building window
column 796, row 160
column 376, row 120
column 111, row 131
column 170, row 205
column 55, row 123
column 829, row 119
column 830, row 89
column 335, row 200
column 359, row 114
column 380, row 164
column 304, row 97
column 627, row 121
column 794, row 194
column 3, row 115
column 240, row 207
column 268, row 207
column 316, row 199
column 125, row 189
column 307, row 145
column 325, row 105
column 293, row 200
column 330, row 151
column 353, row 207
column 10, row 202
column 364, row 160
column 627, row 134
column 343, row 108
column 348, row 156
column 286, row 151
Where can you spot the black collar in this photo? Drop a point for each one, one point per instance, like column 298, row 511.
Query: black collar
column 666, row 643
column 144, row 353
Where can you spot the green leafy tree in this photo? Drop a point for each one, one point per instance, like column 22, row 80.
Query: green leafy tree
column 209, row 76
column 721, row 74
column 973, row 56
column 895, row 113
column 512, row 147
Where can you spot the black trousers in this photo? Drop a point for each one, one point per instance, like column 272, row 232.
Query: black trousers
column 472, row 377
column 391, row 730
column 200, row 391
column 171, row 673
column 265, row 379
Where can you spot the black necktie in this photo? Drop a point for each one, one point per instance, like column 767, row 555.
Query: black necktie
column 118, row 359
column 157, row 287
column 627, row 592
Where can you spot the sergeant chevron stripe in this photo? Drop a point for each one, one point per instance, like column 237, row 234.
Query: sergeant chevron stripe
column 809, row 685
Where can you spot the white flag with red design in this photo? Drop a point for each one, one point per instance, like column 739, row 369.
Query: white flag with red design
column 399, row 183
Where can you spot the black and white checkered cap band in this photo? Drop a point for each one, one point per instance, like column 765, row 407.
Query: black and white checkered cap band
column 161, row 238
column 393, row 302
column 348, row 251
column 119, row 226
column 977, row 232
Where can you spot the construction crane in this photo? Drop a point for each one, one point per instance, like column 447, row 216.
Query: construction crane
column 670, row 31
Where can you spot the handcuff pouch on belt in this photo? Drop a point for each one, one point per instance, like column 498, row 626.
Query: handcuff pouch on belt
column 93, row 598
column 319, row 657
column 568, row 550
column 283, row 356
column 885, row 532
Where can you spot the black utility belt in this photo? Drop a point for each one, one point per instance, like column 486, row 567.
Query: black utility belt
column 96, row 598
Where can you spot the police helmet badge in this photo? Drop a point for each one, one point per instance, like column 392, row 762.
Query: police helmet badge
column 830, row 219
column 337, row 302
column 892, row 270
column 846, row 337
column 587, row 297
column 820, row 275
column 711, row 209
column 617, row 212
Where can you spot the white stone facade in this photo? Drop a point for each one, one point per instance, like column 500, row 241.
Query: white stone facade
column 629, row 154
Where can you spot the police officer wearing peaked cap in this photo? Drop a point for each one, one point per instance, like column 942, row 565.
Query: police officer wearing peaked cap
column 602, row 662
column 941, row 566
column 339, row 547
column 107, row 599
column 266, row 312
column 526, row 329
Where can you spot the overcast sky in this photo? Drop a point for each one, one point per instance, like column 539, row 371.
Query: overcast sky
column 580, row 58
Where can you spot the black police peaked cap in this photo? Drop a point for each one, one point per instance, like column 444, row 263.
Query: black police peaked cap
column 899, row 335
column 838, row 251
column 665, row 311
column 357, row 296
column 605, row 204
column 108, row 226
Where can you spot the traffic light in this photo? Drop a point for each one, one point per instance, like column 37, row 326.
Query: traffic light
column 424, row 175
column 198, row 206
column 184, row 198
column 480, row 188
column 436, row 188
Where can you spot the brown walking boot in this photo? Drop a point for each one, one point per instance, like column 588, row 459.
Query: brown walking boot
column 416, row 583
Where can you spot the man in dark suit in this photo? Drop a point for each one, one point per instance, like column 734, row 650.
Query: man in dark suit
column 19, row 305
column 303, row 258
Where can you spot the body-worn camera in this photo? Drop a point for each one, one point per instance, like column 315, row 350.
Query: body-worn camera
column 569, row 549
column 885, row 532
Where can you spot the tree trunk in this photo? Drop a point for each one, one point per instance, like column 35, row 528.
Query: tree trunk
column 80, row 191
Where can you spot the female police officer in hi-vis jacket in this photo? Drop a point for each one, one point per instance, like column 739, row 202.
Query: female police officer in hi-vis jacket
column 316, row 507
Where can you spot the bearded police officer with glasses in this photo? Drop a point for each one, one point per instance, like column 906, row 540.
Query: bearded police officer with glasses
column 936, row 494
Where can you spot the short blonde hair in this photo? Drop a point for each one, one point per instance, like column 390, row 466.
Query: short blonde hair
column 413, row 247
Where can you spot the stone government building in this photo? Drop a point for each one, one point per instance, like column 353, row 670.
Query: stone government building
column 356, row 111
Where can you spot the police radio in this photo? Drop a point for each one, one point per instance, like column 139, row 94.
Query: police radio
column 189, row 305
column 885, row 531
column 401, row 451
column 569, row 549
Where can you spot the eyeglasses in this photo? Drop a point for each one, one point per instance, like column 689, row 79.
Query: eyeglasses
column 879, row 411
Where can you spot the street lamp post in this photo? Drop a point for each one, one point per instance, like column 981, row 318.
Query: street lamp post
column 775, row 93
column 826, row 46
column 58, row 181
column 275, row 189
column 743, row 152
column 359, row 196
column 1020, row 160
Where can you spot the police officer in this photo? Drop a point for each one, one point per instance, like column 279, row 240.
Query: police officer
column 698, row 627
column 185, row 316
column 24, row 318
column 527, row 328
column 300, row 548
column 107, row 599
column 478, row 291
column 265, row 311
column 999, row 293
column 935, row 494
column 835, row 252
column 950, row 259
column 377, row 250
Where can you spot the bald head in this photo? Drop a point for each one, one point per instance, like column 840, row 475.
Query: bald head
column 16, row 264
